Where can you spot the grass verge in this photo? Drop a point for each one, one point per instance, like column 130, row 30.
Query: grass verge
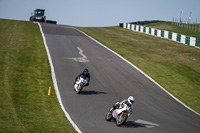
column 174, row 28
column 25, row 77
column 174, row 66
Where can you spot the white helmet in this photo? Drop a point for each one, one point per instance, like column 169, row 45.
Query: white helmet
column 131, row 99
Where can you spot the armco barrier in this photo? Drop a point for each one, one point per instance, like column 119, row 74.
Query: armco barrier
column 192, row 41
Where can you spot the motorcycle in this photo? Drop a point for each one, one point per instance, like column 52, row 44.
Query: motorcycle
column 120, row 115
column 80, row 83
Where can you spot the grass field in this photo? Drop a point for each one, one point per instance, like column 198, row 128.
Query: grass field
column 174, row 28
column 25, row 78
column 25, row 73
column 174, row 66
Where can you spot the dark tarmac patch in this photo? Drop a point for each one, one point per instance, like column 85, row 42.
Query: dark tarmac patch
column 61, row 31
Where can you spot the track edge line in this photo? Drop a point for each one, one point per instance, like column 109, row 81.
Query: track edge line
column 55, row 81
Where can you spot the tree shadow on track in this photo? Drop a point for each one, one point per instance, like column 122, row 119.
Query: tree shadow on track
column 85, row 92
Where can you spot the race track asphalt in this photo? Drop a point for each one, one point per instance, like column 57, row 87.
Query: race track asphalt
column 112, row 80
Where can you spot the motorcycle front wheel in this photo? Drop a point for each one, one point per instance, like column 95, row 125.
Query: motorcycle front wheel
column 79, row 90
column 121, row 120
column 108, row 116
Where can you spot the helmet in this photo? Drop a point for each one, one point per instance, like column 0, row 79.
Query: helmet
column 85, row 72
column 131, row 99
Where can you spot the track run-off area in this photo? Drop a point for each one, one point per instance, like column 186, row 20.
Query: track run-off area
column 113, row 79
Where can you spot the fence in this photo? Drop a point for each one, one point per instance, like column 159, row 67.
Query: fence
column 192, row 41
column 186, row 24
column 194, row 27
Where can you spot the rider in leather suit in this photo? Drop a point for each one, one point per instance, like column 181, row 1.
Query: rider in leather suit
column 128, row 102
column 86, row 74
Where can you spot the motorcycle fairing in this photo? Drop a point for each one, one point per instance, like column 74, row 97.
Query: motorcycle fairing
column 114, row 114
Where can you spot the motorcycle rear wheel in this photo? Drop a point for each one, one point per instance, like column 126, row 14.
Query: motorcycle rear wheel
column 108, row 116
column 122, row 120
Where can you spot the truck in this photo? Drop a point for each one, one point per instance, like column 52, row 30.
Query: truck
column 39, row 16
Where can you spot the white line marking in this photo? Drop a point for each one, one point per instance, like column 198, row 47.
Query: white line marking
column 81, row 52
column 141, row 72
column 55, row 82
column 146, row 123
column 80, row 59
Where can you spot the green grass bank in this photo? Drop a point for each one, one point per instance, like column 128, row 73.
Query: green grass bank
column 25, row 78
column 174, row 66
column 169, row 26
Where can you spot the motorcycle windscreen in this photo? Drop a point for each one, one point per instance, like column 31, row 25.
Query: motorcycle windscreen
column 114, row 114
column 82, row 76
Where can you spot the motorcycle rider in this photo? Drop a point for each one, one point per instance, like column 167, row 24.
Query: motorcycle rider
column 86, row 74
column 129, row 102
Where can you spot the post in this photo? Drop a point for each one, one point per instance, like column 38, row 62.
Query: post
column 189, row 19
column 180, row 16
column 196, row 29
column 49, row 92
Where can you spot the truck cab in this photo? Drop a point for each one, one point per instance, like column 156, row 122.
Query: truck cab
column 39, row 16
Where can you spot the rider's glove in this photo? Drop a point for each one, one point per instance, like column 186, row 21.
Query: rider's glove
column 117, row 105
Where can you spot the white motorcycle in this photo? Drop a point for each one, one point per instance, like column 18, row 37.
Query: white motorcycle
column 80, row 83
column 120, row 115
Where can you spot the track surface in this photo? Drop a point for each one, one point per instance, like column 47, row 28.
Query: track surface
column 112, row 80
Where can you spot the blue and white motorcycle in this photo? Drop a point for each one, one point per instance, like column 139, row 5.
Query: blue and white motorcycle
column 80, row 83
